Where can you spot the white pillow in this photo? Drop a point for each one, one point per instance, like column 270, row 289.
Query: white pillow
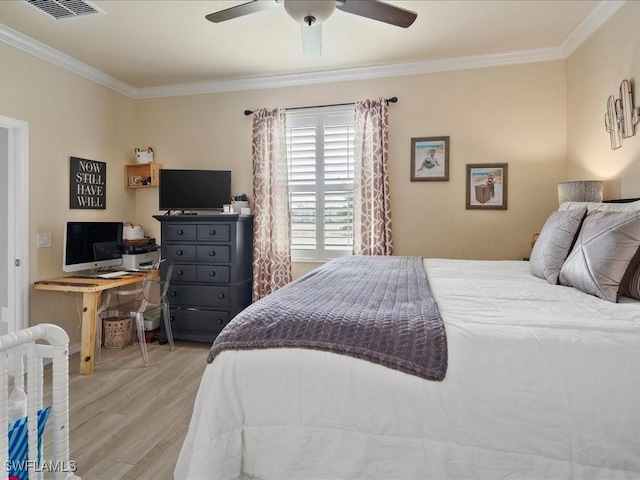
column 602, row 207
column 554, row 243
column 606, row 245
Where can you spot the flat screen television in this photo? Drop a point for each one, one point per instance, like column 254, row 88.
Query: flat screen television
column 189, row 190
column 92, row 245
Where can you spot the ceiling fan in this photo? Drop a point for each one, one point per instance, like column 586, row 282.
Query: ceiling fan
column 311, row 13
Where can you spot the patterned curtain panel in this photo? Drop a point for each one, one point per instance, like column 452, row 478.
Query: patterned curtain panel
column 371, row 201
column 271, row 242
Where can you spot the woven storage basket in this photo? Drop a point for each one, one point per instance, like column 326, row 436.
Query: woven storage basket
column 117, row 332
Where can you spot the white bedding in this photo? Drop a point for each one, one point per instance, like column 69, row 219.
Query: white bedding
column 543, row 382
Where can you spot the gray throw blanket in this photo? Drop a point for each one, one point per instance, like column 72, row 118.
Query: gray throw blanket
column 374, row 308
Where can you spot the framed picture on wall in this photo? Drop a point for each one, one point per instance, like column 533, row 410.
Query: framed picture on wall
column 429, row 159
column 87, row 184
column 487, row 186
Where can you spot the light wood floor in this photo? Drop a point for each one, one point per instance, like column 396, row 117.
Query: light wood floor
column 128, row 421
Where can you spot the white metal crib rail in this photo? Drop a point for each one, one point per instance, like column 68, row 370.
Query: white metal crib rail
column 14, row 349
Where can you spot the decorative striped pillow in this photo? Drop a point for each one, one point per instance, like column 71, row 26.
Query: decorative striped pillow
column 19, row 447
column 633, row 289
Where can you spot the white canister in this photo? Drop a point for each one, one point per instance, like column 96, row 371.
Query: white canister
column 132, row 232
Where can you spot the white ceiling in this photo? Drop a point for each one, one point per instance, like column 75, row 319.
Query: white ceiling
column 156, row 47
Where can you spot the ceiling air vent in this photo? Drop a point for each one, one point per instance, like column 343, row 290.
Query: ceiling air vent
column 64, row 8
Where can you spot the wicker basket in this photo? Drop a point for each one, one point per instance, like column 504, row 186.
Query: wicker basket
column 138, row 242
column 117, row 332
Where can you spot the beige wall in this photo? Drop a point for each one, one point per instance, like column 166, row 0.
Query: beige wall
column 595, row 72
column 510, row 114
column 67, row 116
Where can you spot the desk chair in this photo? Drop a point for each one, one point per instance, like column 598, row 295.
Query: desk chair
column 152, row 295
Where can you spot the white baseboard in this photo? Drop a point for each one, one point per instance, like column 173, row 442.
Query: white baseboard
column 75, row 348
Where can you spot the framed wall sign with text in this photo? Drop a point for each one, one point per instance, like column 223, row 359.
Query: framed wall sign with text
column 87, row 184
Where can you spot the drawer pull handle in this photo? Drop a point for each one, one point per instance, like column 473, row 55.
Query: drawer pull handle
column 179, row 273
column 220, row 321
column 178, row 252
column 212, row 232
column 180, row 232
column 212, row 253
column 221, row 296
column 212, row 273
column 171, row 318
column 173, row 294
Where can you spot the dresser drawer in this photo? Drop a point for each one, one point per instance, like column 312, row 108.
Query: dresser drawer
column 214, row 233
column 213, row 253
column 187, row 320
column 179, row 232
column 180, row 252
column 199, row 295
column 184, row 273
column 201, row 273
column 213, row 274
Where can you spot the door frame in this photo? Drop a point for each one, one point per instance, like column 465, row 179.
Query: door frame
column 18, row 220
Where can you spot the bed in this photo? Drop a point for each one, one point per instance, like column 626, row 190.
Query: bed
column 542, row 380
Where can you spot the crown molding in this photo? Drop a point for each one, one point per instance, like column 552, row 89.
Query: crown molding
column 600, row 14
column 354, row 74
column 590, row 25
column 45, row 52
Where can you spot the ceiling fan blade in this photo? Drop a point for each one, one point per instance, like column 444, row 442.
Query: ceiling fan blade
column 311, row 40
column 376, row 10
column 241, row 10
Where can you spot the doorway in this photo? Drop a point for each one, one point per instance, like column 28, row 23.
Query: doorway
column 14, row 225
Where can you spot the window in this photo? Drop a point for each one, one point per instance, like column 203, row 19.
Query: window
column 321, row 164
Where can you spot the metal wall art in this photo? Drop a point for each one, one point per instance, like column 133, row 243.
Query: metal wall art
column 621, row 117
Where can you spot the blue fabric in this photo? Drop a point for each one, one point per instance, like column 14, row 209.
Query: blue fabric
column 19, row 447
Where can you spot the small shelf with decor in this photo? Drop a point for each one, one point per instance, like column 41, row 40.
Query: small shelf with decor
column 142, row 175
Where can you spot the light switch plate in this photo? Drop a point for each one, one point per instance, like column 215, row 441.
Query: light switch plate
column 44, row 240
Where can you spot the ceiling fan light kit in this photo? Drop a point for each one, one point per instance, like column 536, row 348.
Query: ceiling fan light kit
column 310, row 14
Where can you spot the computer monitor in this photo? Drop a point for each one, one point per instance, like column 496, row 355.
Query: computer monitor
column 91, row 245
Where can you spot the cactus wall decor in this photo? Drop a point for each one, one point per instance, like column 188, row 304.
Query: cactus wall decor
column 621, row 117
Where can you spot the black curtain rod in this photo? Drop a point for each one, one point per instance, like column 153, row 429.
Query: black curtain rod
column 388, row 100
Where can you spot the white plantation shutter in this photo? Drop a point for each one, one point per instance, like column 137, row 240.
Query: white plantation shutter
column 321, row 164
